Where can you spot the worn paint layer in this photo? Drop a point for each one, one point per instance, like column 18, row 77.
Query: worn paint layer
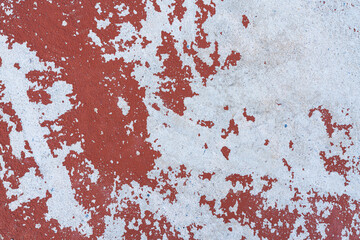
column 179, row 119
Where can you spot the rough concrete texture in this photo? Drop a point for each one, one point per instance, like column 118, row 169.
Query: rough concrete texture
column 179, row 119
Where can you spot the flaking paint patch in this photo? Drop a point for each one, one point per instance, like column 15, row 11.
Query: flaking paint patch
column 179, row 120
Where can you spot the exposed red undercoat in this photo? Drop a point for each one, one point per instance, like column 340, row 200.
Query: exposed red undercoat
column 189, row 49
column 176, row 85
column 343, row 148
column 190, row 227
column 274, row 223
column 269, row 181
column 297, row 195
column 266, row 142
column 7, row 109
column 208, row 124
column 27, row 146
column 106, row 143
column 248, row 117
column 245, row 214
column 225, row 151
column 291, row 145
column 233, row 128
column 206, row 10
column 39, row 96
column 155, row 5
column 249, row 210
column 155, row 106
column 204, row 201
column 232, row 60
column 203, row 68
column 206, row 175
column 124, row 46
column 17, row 66
column 245, row 21
column 166, row 187
column 86, row 71
column 335, row 164
column 341, row 163
column 178, row 12
column 182, row 172
column 44, row 78
column 152, row 226
column 20, row 224
column 286, row 164
column 18, row 166
column 339, row 216
column 34, row 212
column 326, row 117
column 244, row 180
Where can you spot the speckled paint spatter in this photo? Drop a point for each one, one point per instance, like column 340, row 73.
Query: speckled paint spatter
column 179, row 119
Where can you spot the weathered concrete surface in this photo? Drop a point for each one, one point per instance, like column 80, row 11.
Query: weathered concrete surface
column 148, row 119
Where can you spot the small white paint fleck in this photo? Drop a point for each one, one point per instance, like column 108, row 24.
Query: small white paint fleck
column 102, row 24
column 123, row 105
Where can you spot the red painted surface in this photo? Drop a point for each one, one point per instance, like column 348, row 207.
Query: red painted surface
column 124, row 155
column 248, row 117
column 245, row 21
column 204, row 123
column 233, row 128
column 225, row 151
